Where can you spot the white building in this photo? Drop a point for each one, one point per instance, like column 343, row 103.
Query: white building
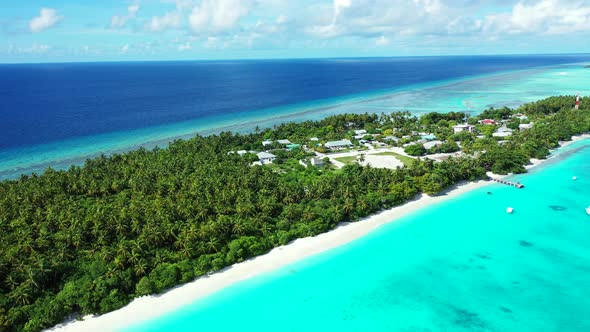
column 284, row 142
column 391, row 138
column 337, row 145
column 266, row 143
column 503, row 132
column 314, row 139
column 360, row 132
column 431, row 144
column 524, row 126
column 315, row 161
column 266, row 158
column 463, row 127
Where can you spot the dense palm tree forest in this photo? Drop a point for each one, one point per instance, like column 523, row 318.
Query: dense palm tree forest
column 89, row 239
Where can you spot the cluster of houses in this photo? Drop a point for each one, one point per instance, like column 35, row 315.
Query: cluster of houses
column 266, row 157
column 428, row 140
column 501, row 132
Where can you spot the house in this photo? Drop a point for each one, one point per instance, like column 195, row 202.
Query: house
column 291, row 147
column 524, row 126
column 432, row 144
column 315, row 161
column 337, row 145
column 489, row 122
column 503, row 132
column 284, row 142
column 428, row 137
column 462, row 128
column 314, row 139
column 240, row 153
column 520, row 116
column 391, row 138
column 360, row 132
column 266, row 143
column 265, row 157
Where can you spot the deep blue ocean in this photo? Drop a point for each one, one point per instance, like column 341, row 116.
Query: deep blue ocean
column 43, row 103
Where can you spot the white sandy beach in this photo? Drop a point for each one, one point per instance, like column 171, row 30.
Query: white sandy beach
column 149, row 307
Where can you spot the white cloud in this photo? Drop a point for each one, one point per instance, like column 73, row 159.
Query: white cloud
column 212, row 42
column 121, row 21
column 281, row 19
column 371, row 19
column 36, row 49
column 382, row 41
column 429, row 6
column 332, row 29
column 184, row 4
column 133, row 9
column 339, row 5
column 181, row 5
column 47, row 18
column 169, row 20
column 184, row 47
column 217, row 15
column 541, row 17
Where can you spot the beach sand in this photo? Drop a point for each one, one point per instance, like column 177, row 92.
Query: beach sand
column 150, row 307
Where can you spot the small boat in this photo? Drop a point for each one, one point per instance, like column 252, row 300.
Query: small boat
column 588, row 210
column 510, row 210
column 575, row 178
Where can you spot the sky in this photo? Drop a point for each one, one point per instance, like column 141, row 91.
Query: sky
column 140, row 30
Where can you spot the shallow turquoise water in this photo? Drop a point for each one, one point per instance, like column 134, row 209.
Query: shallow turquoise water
column 472, row 94
column 462, row 265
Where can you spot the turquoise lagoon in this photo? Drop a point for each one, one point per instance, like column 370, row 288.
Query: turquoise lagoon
column 469, row 94
column 462, row 265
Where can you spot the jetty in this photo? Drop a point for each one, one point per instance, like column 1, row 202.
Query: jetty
column 508, row 183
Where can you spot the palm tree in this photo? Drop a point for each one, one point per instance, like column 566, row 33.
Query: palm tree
column 213, row 244
column 21, row 295
column 348, row 206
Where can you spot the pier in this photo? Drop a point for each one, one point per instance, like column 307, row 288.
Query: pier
column 508, row 183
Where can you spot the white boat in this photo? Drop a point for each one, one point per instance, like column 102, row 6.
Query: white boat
column 588, row 210
column 510, row 210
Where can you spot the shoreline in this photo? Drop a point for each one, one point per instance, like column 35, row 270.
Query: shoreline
column 149, row 307
column 145, row 308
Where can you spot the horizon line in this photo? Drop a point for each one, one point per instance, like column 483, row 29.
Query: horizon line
column 296, row 58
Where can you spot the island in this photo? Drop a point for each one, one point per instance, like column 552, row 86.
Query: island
column 89, row 239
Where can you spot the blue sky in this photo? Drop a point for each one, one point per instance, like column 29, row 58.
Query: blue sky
column 109, row 30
